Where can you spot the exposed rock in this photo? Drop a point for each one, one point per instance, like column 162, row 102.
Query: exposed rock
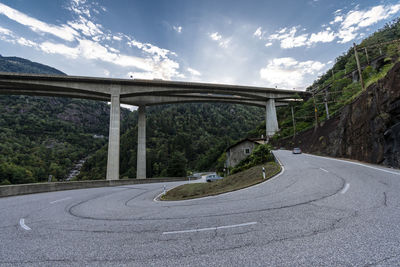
column 368, row 129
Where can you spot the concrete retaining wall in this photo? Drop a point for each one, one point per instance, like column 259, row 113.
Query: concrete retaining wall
column 22, row 189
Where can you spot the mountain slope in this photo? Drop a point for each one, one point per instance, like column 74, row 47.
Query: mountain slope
column 40, row 136
column 341, row 82
column 180, row 137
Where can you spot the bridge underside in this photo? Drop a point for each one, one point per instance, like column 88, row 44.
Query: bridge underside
column 144, row 93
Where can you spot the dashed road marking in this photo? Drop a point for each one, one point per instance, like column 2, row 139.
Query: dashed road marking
column 59, row 200
column 355, row 163
column 323, row 170
column 345, row 188
column 209, row 228
column 23, row 225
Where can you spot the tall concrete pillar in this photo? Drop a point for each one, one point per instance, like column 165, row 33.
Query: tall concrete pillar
column 113, row 139
column 271, row 120
column 141, row 150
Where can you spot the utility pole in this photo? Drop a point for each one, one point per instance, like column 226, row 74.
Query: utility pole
column 315, row 112
column 294, row 122
column 326, row 104
column 358, row 66
column 366, row 53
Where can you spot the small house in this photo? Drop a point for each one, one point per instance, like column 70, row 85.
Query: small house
column 240, row 150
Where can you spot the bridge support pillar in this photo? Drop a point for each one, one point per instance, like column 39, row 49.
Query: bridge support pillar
column 113, row 139
column 141, row 149
column 271, row 121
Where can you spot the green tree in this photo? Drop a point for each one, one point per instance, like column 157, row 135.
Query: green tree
column 176, row 165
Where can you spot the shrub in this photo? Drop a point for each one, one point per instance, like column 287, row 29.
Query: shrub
column 261, row 154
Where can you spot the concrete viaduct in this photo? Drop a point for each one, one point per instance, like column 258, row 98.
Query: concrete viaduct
column 143, row 93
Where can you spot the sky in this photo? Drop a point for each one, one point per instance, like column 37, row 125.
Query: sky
column 284, row 44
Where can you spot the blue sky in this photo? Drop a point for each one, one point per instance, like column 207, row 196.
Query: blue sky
column 263, row 43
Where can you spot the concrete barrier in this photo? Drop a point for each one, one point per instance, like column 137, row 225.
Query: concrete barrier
column 23, row 189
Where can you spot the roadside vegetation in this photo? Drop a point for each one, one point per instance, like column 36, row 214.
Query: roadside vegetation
column 233, row 182
column 247, row 173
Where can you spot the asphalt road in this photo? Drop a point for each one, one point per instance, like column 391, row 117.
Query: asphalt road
column 317, row 212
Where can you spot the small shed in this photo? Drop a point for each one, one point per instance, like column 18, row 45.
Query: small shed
column 240, row 150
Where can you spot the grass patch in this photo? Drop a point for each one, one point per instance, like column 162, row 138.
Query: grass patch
column 233, row 182
column 379, row 75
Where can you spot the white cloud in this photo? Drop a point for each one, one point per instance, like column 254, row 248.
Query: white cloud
column 25, row 42
column 289, row 39
column 336, row 20
column 79, row 8
column 87, row 27
column 258, row 33
column 222, row 42
column 5, row 31
column 346, row 35
column 157, row 52
column 93, row 50
column 52, row 48
column 289, row 73
column 92, row 43
column 215, row 36
column 354, row 20
column 347, row 27
column 178, row 29
column 64, row 31
column 142, row 75
column 164, row 70
column 323, row 37
column 193, row 72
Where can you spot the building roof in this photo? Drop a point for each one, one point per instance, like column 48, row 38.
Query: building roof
column 260, row 141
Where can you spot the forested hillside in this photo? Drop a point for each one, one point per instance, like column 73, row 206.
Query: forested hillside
column 180, row 138
column 340, row 85
column 40, row 136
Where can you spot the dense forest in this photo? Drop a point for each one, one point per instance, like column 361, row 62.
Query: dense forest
column 340, row 85
column 180, row 138
column 42, row 136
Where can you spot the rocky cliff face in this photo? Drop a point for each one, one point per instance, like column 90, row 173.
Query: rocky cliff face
column 368, row 129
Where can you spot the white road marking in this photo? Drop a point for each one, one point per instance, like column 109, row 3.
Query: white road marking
column 59, row 200
column 23, row 225
column 323, row 170
column 209, row 229
column 345, row 188
column 355, row 163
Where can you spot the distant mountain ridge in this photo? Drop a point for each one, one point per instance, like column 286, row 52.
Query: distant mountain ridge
column 21, row 65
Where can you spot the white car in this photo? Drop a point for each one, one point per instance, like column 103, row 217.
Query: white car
column 213, row 177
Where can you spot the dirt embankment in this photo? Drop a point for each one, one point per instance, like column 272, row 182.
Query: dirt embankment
column 368, row 129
